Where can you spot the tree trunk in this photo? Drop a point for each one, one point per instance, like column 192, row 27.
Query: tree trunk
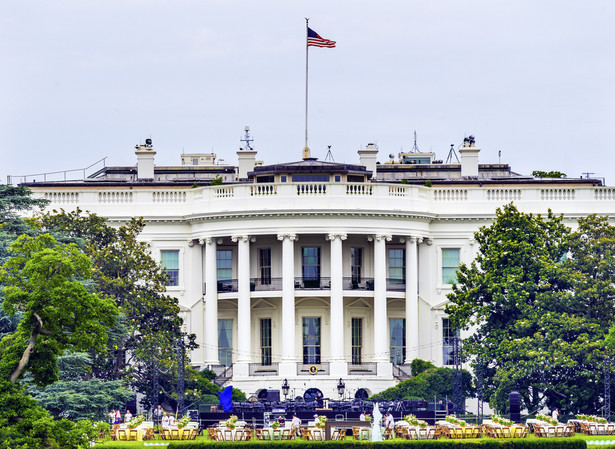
column 25, row 358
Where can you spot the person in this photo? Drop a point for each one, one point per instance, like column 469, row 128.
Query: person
column 295, row 426
column 165, row 421
column 319, row 400
column 362, row 416
column 111, row 416
column 281, row 421
column 127, row 416
column 389, row 425
column 158, row 415
column 555, row 415
column 118, row 417
column 171, row 420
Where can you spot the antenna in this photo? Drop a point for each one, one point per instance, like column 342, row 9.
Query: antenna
column 451, row 153
column 587, row 174
column 329, row 155
column 247, row 139
column 415, row 147
column 499, row 156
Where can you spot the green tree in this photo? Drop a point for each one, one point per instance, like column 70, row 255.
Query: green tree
column 548, row 174
column 429, row 383
column 529, row 330
column 40, row 280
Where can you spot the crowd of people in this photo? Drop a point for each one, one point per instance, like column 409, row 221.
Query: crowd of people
column 166, row 420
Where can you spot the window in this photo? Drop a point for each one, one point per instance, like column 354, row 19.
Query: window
column 355, row 178
column 450, row 264
column 448, row 342
column 357, row 340
column 225, row 342
column 262, row 179
column 356, row 263
column 397, row 266
column 311, row 267
column 224, row 263
column 397, row 334
column 311, row 340
column 338, row 178
column 397, row 339
column 195, row 161
column 170, row 264
column 283, row 178
column 264, row 263
column 266, row 341
column 310, row 178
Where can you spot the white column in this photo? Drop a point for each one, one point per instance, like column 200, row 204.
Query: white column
column 243, row 298
column 195, row 268
column 381, row 347
column 211, row 302
column 337, row 367
column 412, row 300
column 288, row 362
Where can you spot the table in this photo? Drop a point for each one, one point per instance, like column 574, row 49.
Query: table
column 140, row 431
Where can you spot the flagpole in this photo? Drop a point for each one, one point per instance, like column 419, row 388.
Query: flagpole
column 306, row 149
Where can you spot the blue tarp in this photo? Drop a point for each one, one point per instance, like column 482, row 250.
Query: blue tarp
column 226, row 398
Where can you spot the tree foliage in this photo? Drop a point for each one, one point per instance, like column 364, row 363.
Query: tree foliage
column 548, row 174
column 41, row 281
column 532, row 329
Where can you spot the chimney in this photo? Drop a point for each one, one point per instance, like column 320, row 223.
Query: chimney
column 469, row 158
column 145, row 160
column 246, row 162
column 369, row 157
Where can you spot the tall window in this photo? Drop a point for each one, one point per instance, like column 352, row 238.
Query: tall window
column 264, row 262
column 356, row 264
column 311, row 340
column 397, row 338
column 225, row 342
column 397, row 266
column 450, row 264
column 224, row 263
column 357, row 340
column 170, row 263
column 448, row 343
column 311, row 267
column 266, row 341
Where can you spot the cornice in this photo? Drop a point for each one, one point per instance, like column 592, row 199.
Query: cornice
column 307, row 213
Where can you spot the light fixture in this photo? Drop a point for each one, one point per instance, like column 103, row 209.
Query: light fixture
column 285, row 388
column 341, row 387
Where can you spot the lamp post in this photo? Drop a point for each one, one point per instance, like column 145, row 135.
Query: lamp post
column 285, row 389
column 340, row 388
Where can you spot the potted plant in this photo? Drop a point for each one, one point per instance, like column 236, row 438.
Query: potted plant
column 275, row 425
column 183, row 422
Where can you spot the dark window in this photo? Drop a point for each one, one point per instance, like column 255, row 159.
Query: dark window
column 448, row 342
column 283, row 178
column 397, row 332
column 224, row 263
column 355, row 178
column 266, row 341
column 311, row 267
column 311, row 340
column 225, row 342
column 310, row 178
column 397, row 265
column 357, row 340
column 264, row 261
column 356, row 263
column 169, row 260
column 338, row 178
column 260, row 179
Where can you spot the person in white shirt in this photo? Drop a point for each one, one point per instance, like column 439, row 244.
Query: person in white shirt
column 295, row 425
column 362, row 417
column 127, row 416
column 171, row 420
column 389, row 425
column 555, row 415
column 165, row 421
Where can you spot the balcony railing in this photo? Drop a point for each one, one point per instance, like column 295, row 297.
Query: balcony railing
column 313, row 369
column 396, row 285
column 351, row 283
column 366, row 368
column 321, row 283
column 257, row 369
column 265, row 284
column 228, row 285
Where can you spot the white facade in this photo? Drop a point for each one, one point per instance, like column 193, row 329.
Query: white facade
column 296, row 270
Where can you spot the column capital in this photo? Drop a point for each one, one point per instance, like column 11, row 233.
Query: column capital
column 190, row 243
column 333, row 236
column 472, row 242
column 428, row 241
column 289, row 236
column 207, row 241
column 243, row 238
column 383, row 237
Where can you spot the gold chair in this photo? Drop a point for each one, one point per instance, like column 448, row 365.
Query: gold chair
column 355, row 433
column 422, row 433
column 559, row 431
column 247, row 434
column 431, row 433
column 122, row 435
column 317, row 435
column 305, row 434
column 276, row 435
column 363, row 433
column 286, row 434
column 228, row 435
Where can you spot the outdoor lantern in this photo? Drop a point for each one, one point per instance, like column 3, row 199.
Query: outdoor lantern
column 341, row 387
column 285, row 388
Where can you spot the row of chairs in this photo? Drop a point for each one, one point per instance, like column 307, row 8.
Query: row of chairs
column 597, row 429
column 174, row 434
column 554, row 431
column 505, row 432
column 411, row 433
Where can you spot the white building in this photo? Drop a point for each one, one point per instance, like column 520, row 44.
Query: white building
column 314, row 271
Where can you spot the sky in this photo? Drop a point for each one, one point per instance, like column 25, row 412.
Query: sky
column 82, row 80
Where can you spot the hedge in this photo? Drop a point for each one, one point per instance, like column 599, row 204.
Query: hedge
column 483, row 443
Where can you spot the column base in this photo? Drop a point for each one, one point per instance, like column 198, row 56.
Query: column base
column 338, row 369
column 385, row 369
column 287, row 369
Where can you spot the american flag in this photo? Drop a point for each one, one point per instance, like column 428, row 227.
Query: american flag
column 314, row 40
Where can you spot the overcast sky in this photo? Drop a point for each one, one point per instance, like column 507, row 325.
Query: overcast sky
column 83, row 79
